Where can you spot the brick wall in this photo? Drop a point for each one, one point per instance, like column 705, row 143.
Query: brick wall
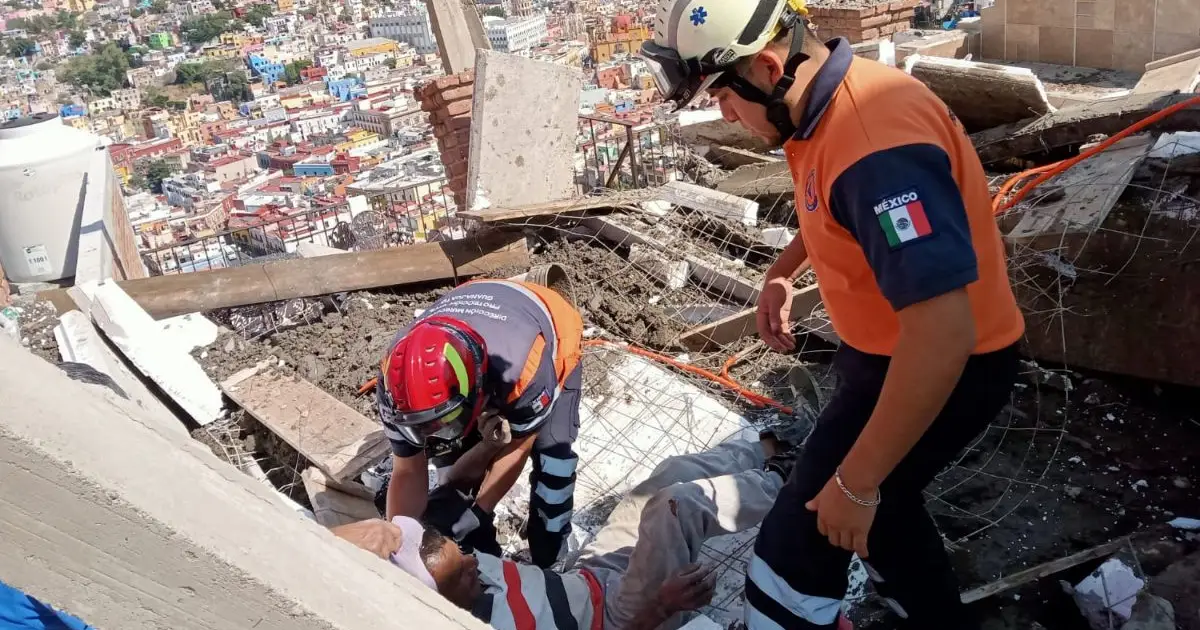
column 448, row 101
column 862, row 23
column 1120, row 34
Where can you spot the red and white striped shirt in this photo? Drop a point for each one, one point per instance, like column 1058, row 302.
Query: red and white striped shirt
column 519, row 596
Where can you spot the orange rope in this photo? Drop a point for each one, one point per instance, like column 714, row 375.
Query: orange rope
column 1048, row 172
column 1041, row 175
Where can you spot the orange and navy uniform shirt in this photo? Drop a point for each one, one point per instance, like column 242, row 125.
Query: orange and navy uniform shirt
column 525, row 374
column 894, row 206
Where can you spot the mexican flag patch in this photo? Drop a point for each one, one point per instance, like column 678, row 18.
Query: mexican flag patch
column 902, row 218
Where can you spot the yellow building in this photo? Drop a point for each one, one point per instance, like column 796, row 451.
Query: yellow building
column 221, row 52
column 356, row 138
column 405, row 57
column 624, row 37
column 78, row 122
column 371, row 46
column 80, row 6
column 285, row 5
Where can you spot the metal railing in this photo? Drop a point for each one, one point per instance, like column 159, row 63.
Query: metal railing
column 618, row 154
column 412, row 214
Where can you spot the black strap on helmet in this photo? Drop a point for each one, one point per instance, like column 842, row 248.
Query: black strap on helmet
column 778, row 113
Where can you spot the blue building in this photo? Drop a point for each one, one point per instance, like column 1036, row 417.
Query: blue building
column 72, row 109
column 266, row 70
column 346, row 89
column 312, row 169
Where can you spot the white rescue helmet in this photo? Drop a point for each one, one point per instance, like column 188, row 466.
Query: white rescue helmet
column 695, row 41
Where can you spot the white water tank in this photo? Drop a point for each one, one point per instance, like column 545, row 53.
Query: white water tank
column 42, row 167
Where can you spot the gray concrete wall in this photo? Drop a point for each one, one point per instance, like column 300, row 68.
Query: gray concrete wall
column 132, row 526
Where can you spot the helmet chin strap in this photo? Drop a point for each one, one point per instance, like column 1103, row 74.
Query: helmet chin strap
column 778, row 112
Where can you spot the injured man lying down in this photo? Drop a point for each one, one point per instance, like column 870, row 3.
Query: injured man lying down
column 641, row 569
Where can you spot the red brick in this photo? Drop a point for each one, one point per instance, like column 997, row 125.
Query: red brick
column 457, row 108
column 458, row 168
column 900, row 5
column 458, row 93
column 877, row 20
column 442, row 83
column 466, row 77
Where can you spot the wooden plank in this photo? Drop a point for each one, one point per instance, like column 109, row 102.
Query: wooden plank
column 733, row 157
column 1073, row 125
column 1031, row 574
column 203, row 291
column 1084, row 194
column 765, row 183
column 711, row 202
column 332, row 436
column 982, row 95
column 332, row 507
column 739, row 325
column 563, row 207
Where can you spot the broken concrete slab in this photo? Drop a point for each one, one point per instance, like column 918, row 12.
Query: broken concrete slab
column 309, row 249
column 777, row 237
column 459, row 32
column 982, row 95
column 1179, row 584
column 768, row 184
column 155, row 354
column 517, row 159
column 95, row 524
column 332, row 436
column 721, row 132
column 1151, row 612
column 733, row 157
column 1082, row 196
column 671, row 274
column 1178, row 73
column 1074, row 125
column 79, row 342
column 332, row 507
column 711, row 202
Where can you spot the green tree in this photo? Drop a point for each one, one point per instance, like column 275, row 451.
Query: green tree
column 137, row 180
column 76, row 39
column 158, row 7
column 390, row 62
column 66, row 20
column 21, row 47
column 496, row 11
column 259, row 12
column 100, row 72
column 201, row 29
column 291, row 71
column 135, row 12
column 157, row 171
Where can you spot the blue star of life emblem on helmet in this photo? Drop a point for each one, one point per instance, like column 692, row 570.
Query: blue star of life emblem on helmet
column 698, row 16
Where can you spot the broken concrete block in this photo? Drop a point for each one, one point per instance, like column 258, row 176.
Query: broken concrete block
column 515, row 158
column 1151, row 613
column 656, row 208
column 316, row 250
column 982, row 95
column 155, row 354
column 711, row 202
column 1178, row 73
column 1110, row 589
column 777, row 237
column 672, row 274
column 95, row 524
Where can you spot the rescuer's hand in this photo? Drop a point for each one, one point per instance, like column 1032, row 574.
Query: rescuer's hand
column 374, row 535
column 494, row 428
column 774, row 314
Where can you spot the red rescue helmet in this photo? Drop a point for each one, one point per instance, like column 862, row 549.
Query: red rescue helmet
column 433, row 377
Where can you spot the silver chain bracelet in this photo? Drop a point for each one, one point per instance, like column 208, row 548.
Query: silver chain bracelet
column 837, row 476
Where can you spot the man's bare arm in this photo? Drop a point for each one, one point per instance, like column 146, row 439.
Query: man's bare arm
column 506, row 468
column 408, row 490
column 469, row 470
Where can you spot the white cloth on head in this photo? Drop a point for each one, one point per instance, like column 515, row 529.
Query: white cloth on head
column 408, row 556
